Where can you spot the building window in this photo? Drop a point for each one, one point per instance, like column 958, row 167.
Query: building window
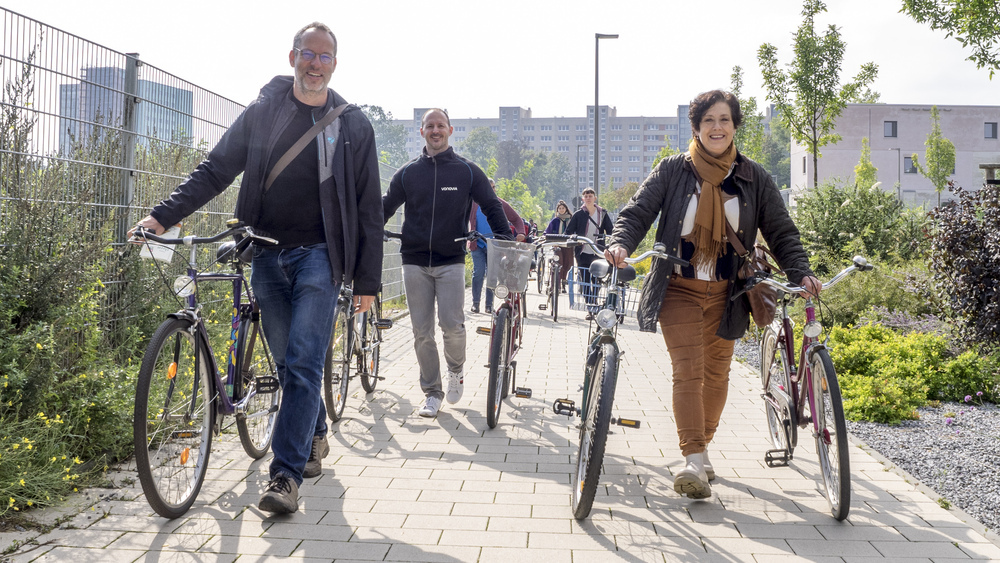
column 616, row 159
column 563, row 148
column 494, row 129
column 634, row 148
column 616, row 147
column 908, row 167
column 616, row 137
column 991, row 130
column 546, row 137
column 635, row 127
column 616, row 127
column 890, row 128
column 581, row 127
column 563, row 137
column 546, row 127
column 633, row 159
column 564, row 127
column 581, row 137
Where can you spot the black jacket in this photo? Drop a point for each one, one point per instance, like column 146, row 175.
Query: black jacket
column 348, row 172
column 580, row 221
column 438, row 192
column 666, row 193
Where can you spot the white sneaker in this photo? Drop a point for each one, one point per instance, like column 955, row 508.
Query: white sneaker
column 709, row 470
column 431, row 407
column 692, row 480
column 456, row 385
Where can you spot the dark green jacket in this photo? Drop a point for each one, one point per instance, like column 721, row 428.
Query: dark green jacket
column 666, row 193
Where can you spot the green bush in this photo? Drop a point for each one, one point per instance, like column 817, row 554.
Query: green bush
column 876, row 399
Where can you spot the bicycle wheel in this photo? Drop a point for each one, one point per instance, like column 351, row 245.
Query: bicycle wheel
column 371, row 341
column 337, row 369
column 499, row 353
column 554, row 295
column 782, row 424
column 596, row 419
column 260, row 411
column 831, row 438
column 173, row 418
column 540, row 272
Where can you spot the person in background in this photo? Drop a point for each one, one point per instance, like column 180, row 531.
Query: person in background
column 593, row 222
column 558, row 226
column 437, row 190
column 695, row 194
column 324, row 209
column 479, row 223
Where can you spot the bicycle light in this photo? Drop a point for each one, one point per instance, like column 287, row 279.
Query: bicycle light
column 606, row 318
column 501, row 291
column 183, row 286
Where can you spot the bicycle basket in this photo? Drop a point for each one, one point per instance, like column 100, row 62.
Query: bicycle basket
column 507, row 264
column 592, row 296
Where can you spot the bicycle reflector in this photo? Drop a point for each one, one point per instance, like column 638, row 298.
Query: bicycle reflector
column 183, row 286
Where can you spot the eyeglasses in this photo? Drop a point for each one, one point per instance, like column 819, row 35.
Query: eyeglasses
column 308, row 56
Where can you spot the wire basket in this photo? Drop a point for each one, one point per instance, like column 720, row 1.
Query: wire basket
column 591, row 297
column 508, row 264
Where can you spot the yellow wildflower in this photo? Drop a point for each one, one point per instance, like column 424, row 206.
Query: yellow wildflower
column 22, row 482
column 38, row 345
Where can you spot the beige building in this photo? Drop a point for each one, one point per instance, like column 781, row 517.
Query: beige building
column 895, row 132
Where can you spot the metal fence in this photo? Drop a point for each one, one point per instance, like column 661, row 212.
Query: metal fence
column 121, row 133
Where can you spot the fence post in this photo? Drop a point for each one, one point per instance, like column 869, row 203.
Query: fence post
column 131, row 89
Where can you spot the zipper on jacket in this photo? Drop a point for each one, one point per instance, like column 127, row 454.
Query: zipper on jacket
column 430, row 237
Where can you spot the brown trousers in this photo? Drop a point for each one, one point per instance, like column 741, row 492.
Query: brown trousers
column 689, row 318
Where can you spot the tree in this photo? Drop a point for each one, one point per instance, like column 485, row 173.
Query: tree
column 615, row 200
column 750, row 136
column 810, row 97
column 777, row 158
column 550, row 174
column 479, row 146
column 940, row 156
column 664, row 153
column 511, row 156
column 865, row 173
column 973, row 23
column 390, row 139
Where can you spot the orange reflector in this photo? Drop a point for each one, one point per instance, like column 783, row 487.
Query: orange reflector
column 172, row 370
column 185, row 455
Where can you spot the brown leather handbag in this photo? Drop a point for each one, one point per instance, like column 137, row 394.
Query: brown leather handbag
column 763, row 298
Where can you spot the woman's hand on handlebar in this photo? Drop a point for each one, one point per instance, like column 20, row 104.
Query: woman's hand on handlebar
column 148, row 223
column 520, row 238
column 616, row 255
column 812, row 285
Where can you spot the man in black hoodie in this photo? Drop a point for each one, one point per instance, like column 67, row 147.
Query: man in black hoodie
column 325, row 211
column 438, row 189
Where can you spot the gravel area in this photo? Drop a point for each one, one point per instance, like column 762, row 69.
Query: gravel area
column 953, row 448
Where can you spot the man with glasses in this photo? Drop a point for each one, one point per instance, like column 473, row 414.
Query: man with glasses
column 438, row 189
column 315, row 189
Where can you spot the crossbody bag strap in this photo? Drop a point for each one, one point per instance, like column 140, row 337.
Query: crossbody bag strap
column 306, row 138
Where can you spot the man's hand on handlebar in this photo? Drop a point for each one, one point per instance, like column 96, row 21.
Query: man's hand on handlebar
column 148, row 223
column 616, row 255
column 520, row 238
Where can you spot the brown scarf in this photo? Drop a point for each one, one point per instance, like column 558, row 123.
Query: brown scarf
column 709, row 230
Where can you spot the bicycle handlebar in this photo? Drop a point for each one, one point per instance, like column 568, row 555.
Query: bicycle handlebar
column 143, row 233
column 860, row 265
column 660, row 251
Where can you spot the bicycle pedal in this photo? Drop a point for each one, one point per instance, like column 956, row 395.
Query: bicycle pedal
column 564, row 407
column 777, row 458
column 267, row 384
column 626, row 422
column 542, row 306
column 383, row 324
column 522, row 393
column 484, row 330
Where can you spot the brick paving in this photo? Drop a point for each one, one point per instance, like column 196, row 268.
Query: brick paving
column 397, row 487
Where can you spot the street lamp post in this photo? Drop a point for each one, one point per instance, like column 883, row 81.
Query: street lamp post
column 597, row 110
column 576, row 202
column 899, row 180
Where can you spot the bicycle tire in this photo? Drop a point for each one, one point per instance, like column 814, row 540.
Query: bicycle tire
column 831, row 438
column 173, row 419
column 554, row 295
column 595, row 422
column 255, row 424
column 540, row 272
column 337, row 367
column 775, row 377
column 371, row 343
column 499, row 352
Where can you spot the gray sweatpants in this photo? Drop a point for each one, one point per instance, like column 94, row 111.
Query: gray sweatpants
column 446, row 285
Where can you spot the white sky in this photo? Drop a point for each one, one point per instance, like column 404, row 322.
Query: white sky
column 471, row 56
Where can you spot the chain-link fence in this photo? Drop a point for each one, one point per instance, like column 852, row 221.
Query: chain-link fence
column 108, row 135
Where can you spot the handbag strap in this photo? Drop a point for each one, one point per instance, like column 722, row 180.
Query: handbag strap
column 734, row 240
column 306, row 138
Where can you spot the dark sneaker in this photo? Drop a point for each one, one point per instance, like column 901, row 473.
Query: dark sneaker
column 280, row 497
column 320, row 449
column 475, row 308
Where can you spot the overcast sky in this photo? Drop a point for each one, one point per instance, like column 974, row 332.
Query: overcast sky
column 471, row 56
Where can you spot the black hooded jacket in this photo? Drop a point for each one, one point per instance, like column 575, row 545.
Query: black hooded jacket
column 348, row 173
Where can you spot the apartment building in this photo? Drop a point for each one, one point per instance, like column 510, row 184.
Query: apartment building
column 895, row 132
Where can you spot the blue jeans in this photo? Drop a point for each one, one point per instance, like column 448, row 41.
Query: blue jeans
column 298, row 299
column 478, row 275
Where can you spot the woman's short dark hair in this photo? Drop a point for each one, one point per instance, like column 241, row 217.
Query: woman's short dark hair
column 701, row 103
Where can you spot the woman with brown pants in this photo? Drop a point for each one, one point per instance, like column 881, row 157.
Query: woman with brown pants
column 694, row 194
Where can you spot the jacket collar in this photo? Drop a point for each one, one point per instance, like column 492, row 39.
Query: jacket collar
column 447, row 154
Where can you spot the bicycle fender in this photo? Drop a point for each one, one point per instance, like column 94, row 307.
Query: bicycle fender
column 815, row 348
column 184, row 315
column 595, row 347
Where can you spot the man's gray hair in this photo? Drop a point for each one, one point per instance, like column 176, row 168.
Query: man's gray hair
column 297, row 40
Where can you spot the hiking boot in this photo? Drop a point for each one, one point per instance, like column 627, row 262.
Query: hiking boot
column 320, row 449
column 280, row 497
column 692, row 481
column 431, row 407
column 456, row 385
